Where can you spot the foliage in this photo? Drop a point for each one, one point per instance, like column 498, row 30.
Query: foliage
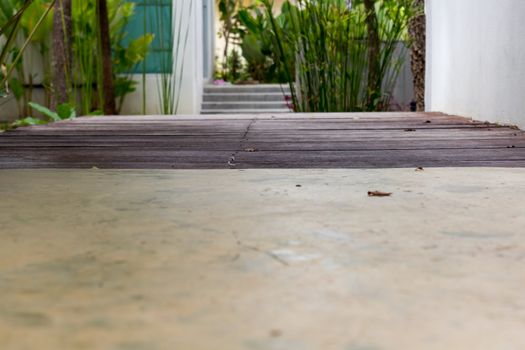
column 86, row 51
column 257, row 46
column 29, row 15
column 231, row 29
column 64, row 111
column 22, row 82
column 324, row 48
column 257, row 62
column 27, row 121
column 243, row 30
column 247, row 29
column 235, row 68
column 32, row 26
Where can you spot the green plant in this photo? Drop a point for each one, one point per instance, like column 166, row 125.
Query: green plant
column 86, row 50
column 9, row 26
column 11, row 19
column 126, row 58
column 257, row 45
column 234, row 71
column 23, row 81
column 32, row 25
column 333, row 56
column 64, row 111
column 231, row 29
column 27, row 121
column 11, row 22
column 258, row 63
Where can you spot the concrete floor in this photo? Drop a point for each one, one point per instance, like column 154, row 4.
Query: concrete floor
column 229, row 259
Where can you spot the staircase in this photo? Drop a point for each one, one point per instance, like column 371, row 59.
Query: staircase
column 245, row 99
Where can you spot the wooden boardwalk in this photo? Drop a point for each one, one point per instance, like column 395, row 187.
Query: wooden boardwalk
column 377, row 140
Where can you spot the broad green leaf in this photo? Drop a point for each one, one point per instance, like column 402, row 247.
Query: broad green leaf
column 124, row 86
column 252, row 49
column 45, row 111
column 138, row 49
column 66, row 111
column 247, row 20
column 96, row 112
column 28, row 121
column 31, row 17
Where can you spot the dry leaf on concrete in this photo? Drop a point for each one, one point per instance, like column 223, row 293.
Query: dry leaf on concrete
column 379, row 194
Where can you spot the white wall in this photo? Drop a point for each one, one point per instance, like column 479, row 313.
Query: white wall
column 476, row 59
column 192, row 70
column 133, row 103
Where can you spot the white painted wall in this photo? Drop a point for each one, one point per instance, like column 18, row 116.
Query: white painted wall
column 133, row 104
column 192, row 70
column 476, row 59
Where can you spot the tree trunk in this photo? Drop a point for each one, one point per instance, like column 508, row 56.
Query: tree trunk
column 107, row 69
column 62, row 53
column 417, row 30
column 374, row 47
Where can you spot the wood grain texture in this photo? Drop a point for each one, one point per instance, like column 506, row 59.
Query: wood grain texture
column 353, row 140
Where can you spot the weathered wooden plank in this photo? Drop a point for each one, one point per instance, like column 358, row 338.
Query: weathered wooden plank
column 287, row 158
column 273, row 124
column 89, row 157
column 262, row 116
column 116, row 164
column 254, row 147
column 284, row 141
column 368, row 159
column 218, row 145
column 288, row 134
column 386, row 163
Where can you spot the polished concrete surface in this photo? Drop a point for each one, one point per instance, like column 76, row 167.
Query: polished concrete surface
column 262, row 259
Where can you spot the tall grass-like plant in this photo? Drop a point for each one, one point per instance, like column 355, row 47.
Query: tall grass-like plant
column 325, row 46
column 9, row 26
column 10, row 29
column 84, row 54
column 29, row 22
column 11, row 21
column 126, row 56
column 21, row 81
column 173, row 49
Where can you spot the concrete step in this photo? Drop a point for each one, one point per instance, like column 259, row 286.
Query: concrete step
column 244, row 97
column 267, row 88
column 244, row 105
column 245, row 111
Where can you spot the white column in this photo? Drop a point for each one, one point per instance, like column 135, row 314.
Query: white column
column 192, row 62
column 476, row 59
